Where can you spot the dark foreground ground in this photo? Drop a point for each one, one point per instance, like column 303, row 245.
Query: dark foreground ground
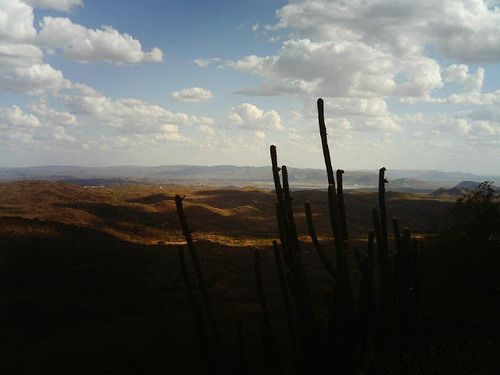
column 78, row 299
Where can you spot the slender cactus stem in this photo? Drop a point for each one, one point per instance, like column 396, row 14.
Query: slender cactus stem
column 317, row 245
column 289, row 213
column 185, row 276
column 334, row 223
column 194, row 257
column 324, row 142
column 383, row 212
column 187, row 234
column 340, row 198
column 276, row 176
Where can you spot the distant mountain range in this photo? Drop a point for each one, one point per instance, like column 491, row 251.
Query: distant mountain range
column 228, row 175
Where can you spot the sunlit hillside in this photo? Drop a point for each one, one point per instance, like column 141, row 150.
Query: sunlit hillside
column 146, row 213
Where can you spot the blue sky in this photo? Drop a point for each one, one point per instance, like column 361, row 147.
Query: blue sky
column 407, row 84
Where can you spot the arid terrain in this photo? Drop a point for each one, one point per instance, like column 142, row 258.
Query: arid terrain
column 146, row 214
column 90, row 279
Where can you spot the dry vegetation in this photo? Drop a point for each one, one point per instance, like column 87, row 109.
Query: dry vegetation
column 146, row 214
column 90, row 279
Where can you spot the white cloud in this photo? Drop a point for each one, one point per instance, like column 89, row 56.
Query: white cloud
column 459, row 132
column 19, row 55
column 34, row 80
column 59, row 134
column 16, row 21
column 22, row 70
column 127, row 115
column 206, row 131
column 381, row 124
column 43, row 125
column 14, row 118
column 22, row 66
column 20, row 137
column 50, row 116
column 193, row 95
column 468, row 30
column 473, row 133
column 351, row 114
column 471, row 82
column 377, row 49
column 259, row 136
column 203, row 63
column 342, row 107
column 249, row 117
column 340, row 68
column 87, row 45
column 62, row 5
column 365, row 114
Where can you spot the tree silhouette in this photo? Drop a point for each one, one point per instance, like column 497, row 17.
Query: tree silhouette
column 476, row 215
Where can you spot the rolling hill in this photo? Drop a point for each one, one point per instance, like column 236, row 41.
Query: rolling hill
column 227, row 175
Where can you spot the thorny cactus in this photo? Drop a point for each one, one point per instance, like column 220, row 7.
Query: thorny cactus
column 352, row 336
column 351, row 332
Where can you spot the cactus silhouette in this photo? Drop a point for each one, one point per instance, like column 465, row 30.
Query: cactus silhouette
column 351, row 330
column 361, row 331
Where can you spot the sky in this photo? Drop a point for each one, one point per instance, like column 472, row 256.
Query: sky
column 407, row 84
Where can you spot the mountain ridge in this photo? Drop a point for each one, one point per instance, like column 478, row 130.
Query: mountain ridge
column 229, row 175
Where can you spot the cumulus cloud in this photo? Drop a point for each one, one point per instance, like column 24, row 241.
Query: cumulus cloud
column 248, row 117
column 345, row 115
column 457, row 133
column 193, row 95
column 16, row 21
column 87, row 45
column 19, row 55
column 22, row 69
column 259, row 136
column 474, row 131
column 42, row 123
column 34, row 80
column 62, row 5
column 19, row 38
column 22, row 66
column 375, row 49
column 203, row 63
column 14, row 118
column 460, row 74
column 50, row 116
column 127, row 115
column 381, row 124
column 206, row 131
column 59, row 134
column 344, row 69
column 342, row 107
column 468, row 30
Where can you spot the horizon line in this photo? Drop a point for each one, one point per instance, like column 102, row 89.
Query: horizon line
column 246, row 166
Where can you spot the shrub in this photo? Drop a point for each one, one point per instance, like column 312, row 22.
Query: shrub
column 476, row 215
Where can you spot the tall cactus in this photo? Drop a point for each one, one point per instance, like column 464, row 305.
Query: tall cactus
column 342, row 340
column 196, row 262
column 374, row 325
column 300, row 290
column 340, row 199
column 197, row 310
column 324, row 141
